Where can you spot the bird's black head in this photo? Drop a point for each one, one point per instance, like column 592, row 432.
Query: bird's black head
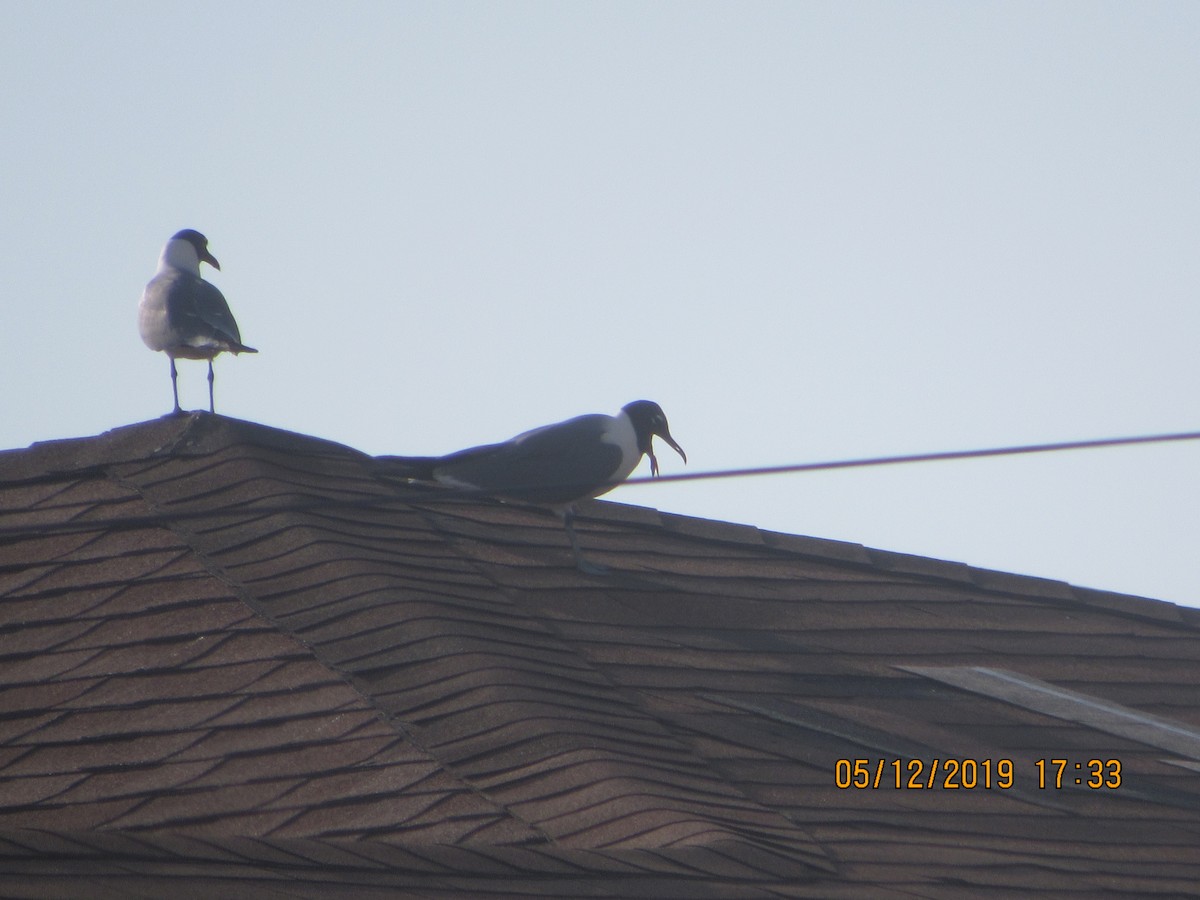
column 200, row 242
column 649, row 420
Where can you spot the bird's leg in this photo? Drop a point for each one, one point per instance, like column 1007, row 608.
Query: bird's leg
column 583, row 565
column 177, row 411
column 211, row 406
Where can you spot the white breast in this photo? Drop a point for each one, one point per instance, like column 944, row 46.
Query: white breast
column 621, row 434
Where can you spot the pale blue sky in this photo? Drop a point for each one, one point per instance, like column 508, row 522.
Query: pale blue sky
column 809, row 230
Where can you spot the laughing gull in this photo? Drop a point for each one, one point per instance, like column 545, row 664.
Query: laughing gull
column 557, row 465
column 185, row 316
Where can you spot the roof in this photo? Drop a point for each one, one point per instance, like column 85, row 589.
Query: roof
column 238, row 661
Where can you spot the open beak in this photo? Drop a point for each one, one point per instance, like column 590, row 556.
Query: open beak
column 666, row 436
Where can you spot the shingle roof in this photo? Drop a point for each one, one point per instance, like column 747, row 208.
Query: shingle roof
column 237, row 661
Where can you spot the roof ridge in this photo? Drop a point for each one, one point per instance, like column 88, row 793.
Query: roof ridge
column 352, row 664
column 201, row 433
column 251, row 601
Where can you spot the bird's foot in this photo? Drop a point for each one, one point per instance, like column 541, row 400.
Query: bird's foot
column 586, row 566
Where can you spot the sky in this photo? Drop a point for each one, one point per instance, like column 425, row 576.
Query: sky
column 810, row 230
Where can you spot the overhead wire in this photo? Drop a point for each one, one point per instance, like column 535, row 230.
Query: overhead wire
column 429, row 493
column 940, row 456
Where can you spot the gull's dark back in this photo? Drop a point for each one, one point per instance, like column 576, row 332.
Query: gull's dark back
column 196, row 311
column 555, row 464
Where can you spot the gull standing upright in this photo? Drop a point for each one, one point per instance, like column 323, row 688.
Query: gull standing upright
column 185, row 316
column 555, row 465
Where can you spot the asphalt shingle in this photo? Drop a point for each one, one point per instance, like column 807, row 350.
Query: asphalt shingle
column 235, row 660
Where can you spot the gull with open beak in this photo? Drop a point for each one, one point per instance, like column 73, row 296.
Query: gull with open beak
column 557, row 465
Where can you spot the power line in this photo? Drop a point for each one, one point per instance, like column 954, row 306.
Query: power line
column 941, row 456
column 424, row 493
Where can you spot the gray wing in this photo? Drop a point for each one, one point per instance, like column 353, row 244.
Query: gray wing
column 554, row 464
column 214, row 311
column 179, row 309
column 200, row 309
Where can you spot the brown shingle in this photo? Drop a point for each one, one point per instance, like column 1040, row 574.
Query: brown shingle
column 237, row 661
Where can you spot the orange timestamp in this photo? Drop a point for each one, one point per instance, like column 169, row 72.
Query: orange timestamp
column 972, row 774
column 1096, row 774
column 925, row 774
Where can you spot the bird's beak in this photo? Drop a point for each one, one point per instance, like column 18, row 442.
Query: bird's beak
column 211, row 260
column 666, row 436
